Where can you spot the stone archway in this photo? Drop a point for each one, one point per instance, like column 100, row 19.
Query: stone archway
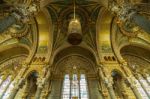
column 138, row 57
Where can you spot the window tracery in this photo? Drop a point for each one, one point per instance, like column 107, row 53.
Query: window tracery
column 75, row 87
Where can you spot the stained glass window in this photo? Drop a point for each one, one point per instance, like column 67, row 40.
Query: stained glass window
column 66, row 94
column 66, row 87
column 75, row 86
column 83, row 87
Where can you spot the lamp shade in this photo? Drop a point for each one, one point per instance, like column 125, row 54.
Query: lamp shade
column 74, row 32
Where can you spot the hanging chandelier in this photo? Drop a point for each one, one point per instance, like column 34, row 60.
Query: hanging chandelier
column 74, row 30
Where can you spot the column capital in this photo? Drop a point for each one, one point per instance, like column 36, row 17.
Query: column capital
column 108, row 81
column 40, row 82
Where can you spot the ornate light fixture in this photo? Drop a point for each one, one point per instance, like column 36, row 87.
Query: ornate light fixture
column 74, row 30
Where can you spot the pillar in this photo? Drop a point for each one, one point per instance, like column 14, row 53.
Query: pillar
column 1, row 97
column 40, row 83
column 130, row 81
column 25, row 92
column 18, row 84
column 3, row 79
column 109, row 82
column 103, row 89
column 139, row 77
column 45, row 91
column 145, row 76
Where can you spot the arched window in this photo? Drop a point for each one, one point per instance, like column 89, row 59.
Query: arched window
column 75, row 88
column 83, row 87
column 66, row 87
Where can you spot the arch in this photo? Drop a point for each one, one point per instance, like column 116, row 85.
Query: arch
column 117, row 72
column 137, row 50
column 120, row 40
column 45, row 33
column 74, row 50
column 31, row 81
column 103, row 26
column 118, row 83
column 30, row 73
column 11, row 51
column 137, row 56
column 80, row 62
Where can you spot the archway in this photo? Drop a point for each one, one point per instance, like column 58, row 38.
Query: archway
column 138, row 59
column 75, row 62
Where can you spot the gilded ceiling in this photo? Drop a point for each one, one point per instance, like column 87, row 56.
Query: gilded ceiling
column 43, row 27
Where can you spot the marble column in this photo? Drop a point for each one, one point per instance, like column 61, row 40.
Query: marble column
column 109, row 82
column 139, row 78
column 7, row 86
column 18, row 84
column 45, row 91
column 44, row 84
column 103, row 88
column 26, row 91
column 131, row 82
column 3, row 79
column 145, row 76
column 40, row 83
